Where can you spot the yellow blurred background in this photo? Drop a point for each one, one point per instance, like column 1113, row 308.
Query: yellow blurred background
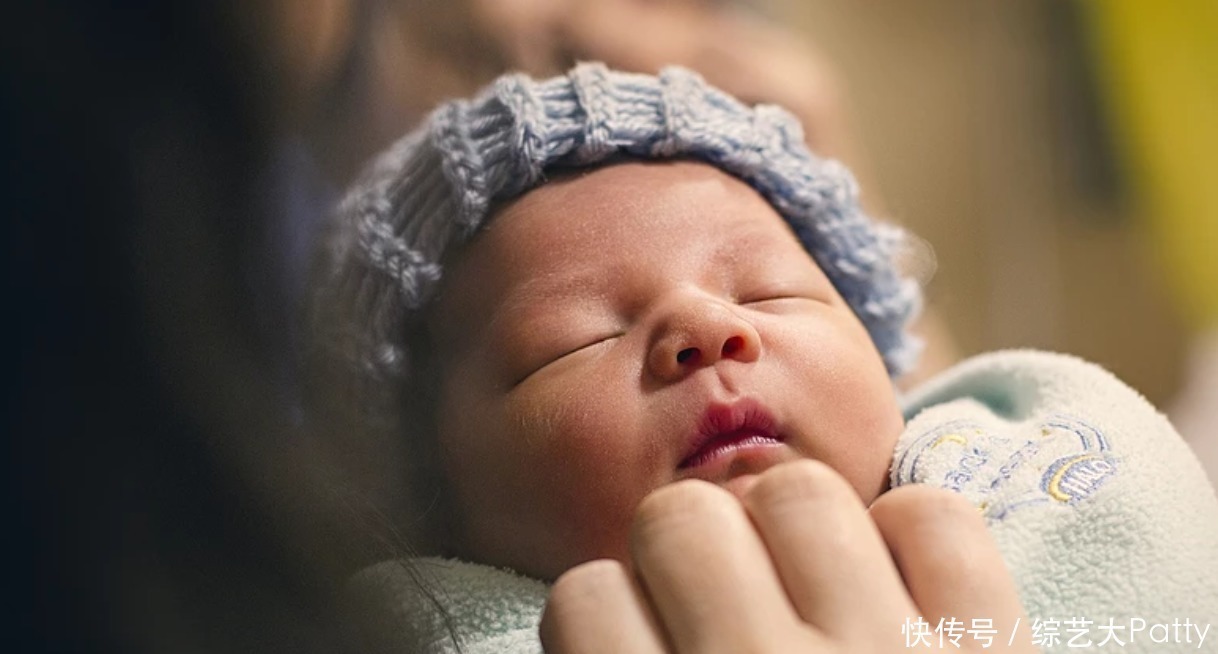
column 1057, row 155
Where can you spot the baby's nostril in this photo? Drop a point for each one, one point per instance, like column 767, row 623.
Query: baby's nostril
column 687, row 354
column 732, row 346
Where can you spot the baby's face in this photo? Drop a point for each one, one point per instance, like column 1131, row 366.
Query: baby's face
column 632, row 326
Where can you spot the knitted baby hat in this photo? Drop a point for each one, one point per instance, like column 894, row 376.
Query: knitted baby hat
column 432, row 190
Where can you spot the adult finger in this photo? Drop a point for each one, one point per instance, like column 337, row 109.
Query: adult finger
column 709, row 576
column 829, row 555
column 950, row 563
column 598, row 608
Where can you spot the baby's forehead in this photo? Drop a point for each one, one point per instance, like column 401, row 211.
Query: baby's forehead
column 608, row 221
column 669, row 195
column 614, row 222
column 616, row 181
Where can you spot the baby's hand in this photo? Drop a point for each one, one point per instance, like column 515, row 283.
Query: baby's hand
column 796, row 564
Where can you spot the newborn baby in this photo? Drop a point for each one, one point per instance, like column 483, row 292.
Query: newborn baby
column 563, row 295
column 628, row 326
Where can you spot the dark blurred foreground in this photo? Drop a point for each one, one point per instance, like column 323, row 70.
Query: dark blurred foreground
column 160, row 495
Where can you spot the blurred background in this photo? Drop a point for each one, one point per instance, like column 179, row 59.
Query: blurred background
column 169, row 164
column 1056, row 155
column 1060, row 158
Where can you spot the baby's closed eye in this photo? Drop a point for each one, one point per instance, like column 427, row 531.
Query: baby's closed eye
column 584, row 344
column 550, row 344
column 781, row 297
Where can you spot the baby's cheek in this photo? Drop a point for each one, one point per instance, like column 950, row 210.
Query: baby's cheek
column 864, row 457
column 591, row 468
column 851, row 406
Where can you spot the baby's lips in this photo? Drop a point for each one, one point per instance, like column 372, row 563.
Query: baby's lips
column 726, row 420
column 751, row 455
column 724, row 444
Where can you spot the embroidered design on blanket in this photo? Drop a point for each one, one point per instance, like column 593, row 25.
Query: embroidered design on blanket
column 1075, row 478
column 1061, row 460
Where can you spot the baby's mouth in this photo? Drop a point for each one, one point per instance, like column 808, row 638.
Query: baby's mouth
column 726, row 443
column 728, row 428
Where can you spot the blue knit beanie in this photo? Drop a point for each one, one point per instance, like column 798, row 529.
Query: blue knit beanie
column 433, row 189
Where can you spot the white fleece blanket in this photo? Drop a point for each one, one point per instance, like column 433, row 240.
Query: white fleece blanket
column 1105, row 518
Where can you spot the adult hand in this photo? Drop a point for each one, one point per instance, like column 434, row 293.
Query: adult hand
column 796, row 564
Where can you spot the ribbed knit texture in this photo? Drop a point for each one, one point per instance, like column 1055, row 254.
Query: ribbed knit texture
column 432, row 190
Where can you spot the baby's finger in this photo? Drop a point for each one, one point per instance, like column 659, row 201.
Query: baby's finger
column 708, row 574
column 829, row 555
column 598, row 608
column 950, row 563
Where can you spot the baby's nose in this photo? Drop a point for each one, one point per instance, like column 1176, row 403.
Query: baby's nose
column 698, row 333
